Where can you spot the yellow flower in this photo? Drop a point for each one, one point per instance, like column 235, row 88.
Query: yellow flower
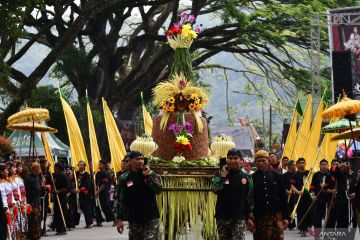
column 182, row 140
column 165, row 109
column 196, row 105
column 187, row 32
column 172, row 100
column 193, row 96
column 163, row 104
column 172, row 108
column 191, row 107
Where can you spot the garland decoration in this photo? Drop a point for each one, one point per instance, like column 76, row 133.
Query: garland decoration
column 221, row 145
column 144, row 144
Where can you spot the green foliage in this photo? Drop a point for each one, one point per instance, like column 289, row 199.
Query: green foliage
column 274, row 26
column 12, row 13
column 73, row 58
column 4, row 73
column 182, row 63
column 48, row 97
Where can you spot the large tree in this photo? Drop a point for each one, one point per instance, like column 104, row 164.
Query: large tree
column 116, row 48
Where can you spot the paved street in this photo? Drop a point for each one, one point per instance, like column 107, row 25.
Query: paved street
column 109, row 232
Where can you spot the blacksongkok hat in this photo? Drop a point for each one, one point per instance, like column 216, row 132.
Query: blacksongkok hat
column 234, row 152
column 300, row 159
column 103, row 162
column 335, row 160
column 60, row 166
column 323, row 160
column 135, row 154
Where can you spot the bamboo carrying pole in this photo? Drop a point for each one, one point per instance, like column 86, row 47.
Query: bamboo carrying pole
column 313, row 202
column 292, row 216
column 58, row 201
column 77, row 191
column 330, row 206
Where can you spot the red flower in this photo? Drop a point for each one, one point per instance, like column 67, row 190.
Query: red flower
column 190, row 147
column 173, row 31
column 179, row 147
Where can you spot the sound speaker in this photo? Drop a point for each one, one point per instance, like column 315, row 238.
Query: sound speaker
column 343, row 65
column 355, row 163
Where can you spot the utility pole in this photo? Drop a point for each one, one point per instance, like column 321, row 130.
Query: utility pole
column 270, row 127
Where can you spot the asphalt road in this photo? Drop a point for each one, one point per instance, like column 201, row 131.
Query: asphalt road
column 108, row 232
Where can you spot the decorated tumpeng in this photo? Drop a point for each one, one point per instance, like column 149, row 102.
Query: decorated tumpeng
column 180, row 130
column 181, row 134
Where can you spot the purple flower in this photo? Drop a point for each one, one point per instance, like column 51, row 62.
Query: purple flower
column 177, row 25
column 177, row 128
column 172, row 128
column 197, row 29
column 184, row 16
column 188, row 127
column 191, row 18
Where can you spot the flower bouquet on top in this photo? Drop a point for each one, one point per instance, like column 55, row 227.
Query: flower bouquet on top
column 182, row 33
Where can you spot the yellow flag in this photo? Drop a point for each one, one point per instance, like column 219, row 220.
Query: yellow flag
column 148, row 123
column 303, row 132
column 291, row 137
column 94, row 148
column 327, row 149
column 311, row 148
column 75, row 138
column 116, row 144
column 47, row 152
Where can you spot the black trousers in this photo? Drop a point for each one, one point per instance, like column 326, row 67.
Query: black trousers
column 319, row 210
column 292, row 201
column 104, row 200
column 339, row 216
column 304, row 204
column 58, row 221
column 73, row 211
column 3, row 222
column 86, row 207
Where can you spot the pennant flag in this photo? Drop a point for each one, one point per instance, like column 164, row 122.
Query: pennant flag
column 291, row 136
column 75, row 138
column 303, row 132
column 148, row 123
column 298, row 108
column 327, row 149
column 311, row 148
column 94, row 148
column 116, row 144
column 47, row 152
